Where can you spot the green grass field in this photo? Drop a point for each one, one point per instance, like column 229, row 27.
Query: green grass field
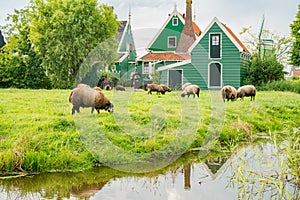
column 38, row 132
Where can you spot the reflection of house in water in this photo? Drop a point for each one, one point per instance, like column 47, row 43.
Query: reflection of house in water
column 216, row 166
column 186, row 170
column 87, row 190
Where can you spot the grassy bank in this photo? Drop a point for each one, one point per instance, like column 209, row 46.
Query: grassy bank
column 38, row 132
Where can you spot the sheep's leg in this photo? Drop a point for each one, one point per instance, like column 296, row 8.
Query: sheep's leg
column 98, row 111
column 92, row 110
column 73, row 110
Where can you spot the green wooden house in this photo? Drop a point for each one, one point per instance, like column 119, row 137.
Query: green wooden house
column 162, row 48
column 217, row 58
column 126, row 50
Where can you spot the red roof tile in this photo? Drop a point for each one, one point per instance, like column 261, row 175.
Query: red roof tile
column 236, row 39
column 296, row 73
column 162, row 56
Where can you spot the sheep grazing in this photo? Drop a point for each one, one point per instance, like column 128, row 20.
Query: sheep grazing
column 246, row 91
column 191, row 89
column 120, row 88
column 185, row 85
column 165, row 88
column 228, row 92
column 85, row 96
column 155, row 88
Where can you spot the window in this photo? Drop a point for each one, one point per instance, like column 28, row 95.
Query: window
column 215, row 40
column 175, row 21
column 215, row 46
column 172, row 42
column 148, row 68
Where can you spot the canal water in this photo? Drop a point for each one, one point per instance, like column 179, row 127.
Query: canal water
column 253, row 172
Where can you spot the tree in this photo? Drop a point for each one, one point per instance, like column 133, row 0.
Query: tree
column 295, row 32
column 270, row 66
column 20, row 66
column 281, row 44
column 65, row 31
column 264, row 70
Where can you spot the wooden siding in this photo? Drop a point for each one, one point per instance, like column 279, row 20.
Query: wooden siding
column 230, row 60
column 161, row 43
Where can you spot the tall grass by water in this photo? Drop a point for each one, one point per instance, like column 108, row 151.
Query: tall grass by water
column 38, row 132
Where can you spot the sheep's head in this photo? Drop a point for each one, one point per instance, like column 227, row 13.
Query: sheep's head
column 109, row 107
column 183, row 94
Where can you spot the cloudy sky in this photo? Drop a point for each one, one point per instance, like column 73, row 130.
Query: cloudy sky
column 149, row 15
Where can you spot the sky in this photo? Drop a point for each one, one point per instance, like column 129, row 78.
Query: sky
column 148, row 16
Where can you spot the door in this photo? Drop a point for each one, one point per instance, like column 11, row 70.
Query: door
column 215, row 46
column 175, row 79
column 215, row 75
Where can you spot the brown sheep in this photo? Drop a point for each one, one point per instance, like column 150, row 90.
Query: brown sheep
column 165, row 88
column 246, row 91
column 155, row 88
column 228, row 92
column 191, row 89
column 120, row 88
column 85, row 96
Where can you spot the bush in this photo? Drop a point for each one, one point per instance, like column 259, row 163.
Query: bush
column 282, row 85
column 264, row 70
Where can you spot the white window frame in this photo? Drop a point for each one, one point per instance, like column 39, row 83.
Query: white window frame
column 221, row 46
column 148, row 68
column 175, row 21
column 175, row 41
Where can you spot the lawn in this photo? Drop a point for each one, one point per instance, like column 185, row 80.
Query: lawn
column 38, row 132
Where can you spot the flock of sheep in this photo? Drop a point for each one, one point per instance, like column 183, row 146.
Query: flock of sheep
column 230, row 93
column 85, row 96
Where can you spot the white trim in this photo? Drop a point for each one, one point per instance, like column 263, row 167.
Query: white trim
column 208, row 77
column 203, row 34
column 221, row 43
column 173, row 14
column 122, row 38
column 123, row 57
column 170, row 37
column 174, row 24
column 168, row 67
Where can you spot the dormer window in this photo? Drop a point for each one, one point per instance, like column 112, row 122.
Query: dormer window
column 175, row 21
column 172, row 42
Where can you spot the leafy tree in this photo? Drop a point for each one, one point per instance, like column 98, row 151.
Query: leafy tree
column 264, row 70
column 65, row 31
column 20, row 66
column 295, row 31
column 269, row 66
column 281, row 44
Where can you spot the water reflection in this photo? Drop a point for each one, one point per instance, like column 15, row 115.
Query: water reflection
column 241, row 175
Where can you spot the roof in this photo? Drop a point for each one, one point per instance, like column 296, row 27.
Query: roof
column 295, row 73
column 234, row 39
column 165, row 56
column 121, row 30
column 180, row 16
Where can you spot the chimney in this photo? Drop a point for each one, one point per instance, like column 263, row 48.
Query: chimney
column 187, row 36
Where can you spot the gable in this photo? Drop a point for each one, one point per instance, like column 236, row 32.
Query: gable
column 216, row 26
column 161, row 41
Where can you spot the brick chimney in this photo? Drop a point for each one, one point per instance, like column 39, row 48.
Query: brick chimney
column 187, row 36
